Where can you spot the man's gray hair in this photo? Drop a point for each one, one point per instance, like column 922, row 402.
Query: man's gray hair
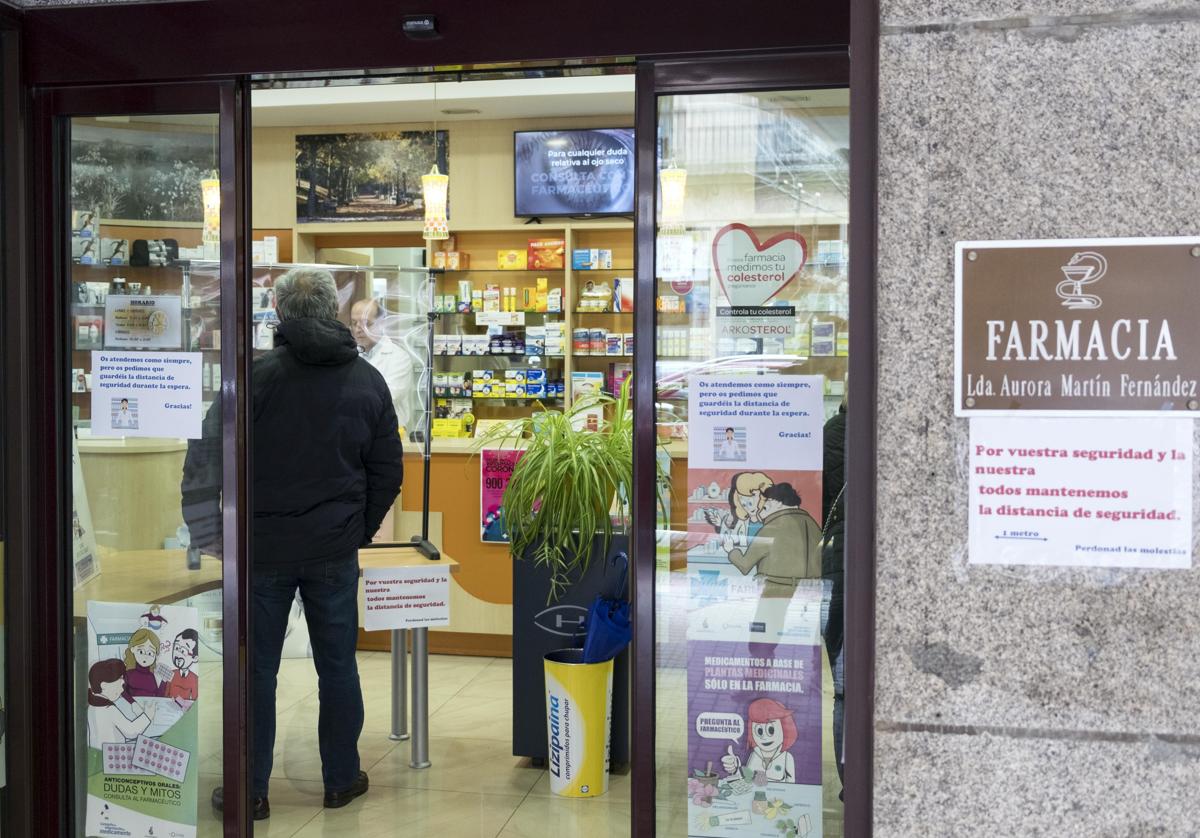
column 306, row 292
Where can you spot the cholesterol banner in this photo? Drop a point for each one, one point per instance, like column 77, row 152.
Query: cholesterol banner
column 142, row 690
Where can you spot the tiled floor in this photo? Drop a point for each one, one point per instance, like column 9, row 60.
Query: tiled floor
column 475, row 788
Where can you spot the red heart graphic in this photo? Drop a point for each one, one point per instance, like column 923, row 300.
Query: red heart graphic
column 772, row 284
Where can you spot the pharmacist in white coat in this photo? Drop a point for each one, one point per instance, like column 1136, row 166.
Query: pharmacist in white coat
column 384, row 355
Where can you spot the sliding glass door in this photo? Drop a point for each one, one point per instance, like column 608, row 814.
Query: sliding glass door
column 147, row 302
column 741, row 404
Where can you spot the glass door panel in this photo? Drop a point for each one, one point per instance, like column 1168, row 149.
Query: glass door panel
column 752, row 350
column 144, row 366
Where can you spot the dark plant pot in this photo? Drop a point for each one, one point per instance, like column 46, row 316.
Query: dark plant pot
column 539, row 628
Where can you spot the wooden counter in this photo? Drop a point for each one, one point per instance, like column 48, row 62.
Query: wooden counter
column 133, row 490
column 147, row 576
column 376, row 557
column 481, row 591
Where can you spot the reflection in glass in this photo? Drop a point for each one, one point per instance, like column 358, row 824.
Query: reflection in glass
column 752, row 346
column 144, row 365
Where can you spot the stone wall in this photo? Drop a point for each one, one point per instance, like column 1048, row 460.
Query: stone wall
column 1031, row 702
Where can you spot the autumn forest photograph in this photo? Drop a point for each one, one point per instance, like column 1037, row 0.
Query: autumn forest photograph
column 365, row 177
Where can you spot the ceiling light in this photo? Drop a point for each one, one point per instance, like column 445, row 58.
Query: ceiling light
column 210, row 196
column 435, row 191
column 435, row 188
column 673, row 186
column 460, row 111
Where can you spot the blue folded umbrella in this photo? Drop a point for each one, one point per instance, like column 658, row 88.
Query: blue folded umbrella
column 608, row 626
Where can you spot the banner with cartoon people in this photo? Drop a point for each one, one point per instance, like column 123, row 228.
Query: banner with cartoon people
column 754, row 474
column 142, row 689
column 754, row 663
column 755, row 713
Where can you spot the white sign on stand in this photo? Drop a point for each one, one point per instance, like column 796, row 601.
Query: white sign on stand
column 406, row 597
column 1098, row 492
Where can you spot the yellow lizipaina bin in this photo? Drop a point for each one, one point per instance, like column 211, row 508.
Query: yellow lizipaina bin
column 578, row 721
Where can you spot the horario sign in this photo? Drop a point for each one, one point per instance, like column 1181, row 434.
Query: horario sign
column 1077, row 325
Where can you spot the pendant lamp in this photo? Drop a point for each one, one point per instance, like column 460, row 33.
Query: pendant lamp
column 673, row 186
column 210, row 197
column 435, row 190
column 435, row 187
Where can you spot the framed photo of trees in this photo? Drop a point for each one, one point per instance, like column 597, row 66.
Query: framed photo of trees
column 122, row 172
column 365, row 177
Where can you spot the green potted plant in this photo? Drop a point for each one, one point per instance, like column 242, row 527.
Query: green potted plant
column 570, row 486
column 567, row 509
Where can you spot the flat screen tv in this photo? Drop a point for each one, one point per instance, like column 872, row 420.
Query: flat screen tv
column 585, row 172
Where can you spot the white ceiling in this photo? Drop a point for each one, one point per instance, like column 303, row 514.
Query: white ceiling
column 368, row 104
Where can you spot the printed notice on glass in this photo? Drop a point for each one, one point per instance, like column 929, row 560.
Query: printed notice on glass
column 143, row 719
column 146, row 394
column 143, row 322
column 406, row 597
column 754, row 473
column 1098, row 492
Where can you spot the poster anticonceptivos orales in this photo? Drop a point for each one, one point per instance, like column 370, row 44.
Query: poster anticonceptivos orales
column 143, row 689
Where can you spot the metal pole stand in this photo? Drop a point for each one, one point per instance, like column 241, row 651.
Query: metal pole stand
column 420, row 699
column 399, row 685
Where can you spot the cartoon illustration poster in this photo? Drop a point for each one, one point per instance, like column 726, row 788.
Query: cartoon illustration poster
column 754, row 474
column 142, row 690
column 754, row 573
column 755, row 731
column 495, row 469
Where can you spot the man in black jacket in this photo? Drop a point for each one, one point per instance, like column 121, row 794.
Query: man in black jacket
column 327, row 468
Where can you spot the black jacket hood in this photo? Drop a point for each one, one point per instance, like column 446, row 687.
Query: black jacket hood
column 317, row 341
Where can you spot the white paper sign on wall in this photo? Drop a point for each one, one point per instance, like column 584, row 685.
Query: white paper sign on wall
column 1087, row 491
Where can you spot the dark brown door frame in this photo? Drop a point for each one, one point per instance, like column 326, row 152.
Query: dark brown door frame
column 21, row 743
column 157, row 41
column 45, row 468
column 790, row 71
column 861, row 445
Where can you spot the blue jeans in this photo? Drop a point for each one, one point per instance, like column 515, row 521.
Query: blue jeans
column 832, row 629
column 329, row 590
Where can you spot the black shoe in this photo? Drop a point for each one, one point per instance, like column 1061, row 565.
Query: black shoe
column 338, row 799
column 262, row 807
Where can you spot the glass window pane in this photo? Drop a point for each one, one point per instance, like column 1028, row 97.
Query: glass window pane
column 145, row 357
column 752, row 346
